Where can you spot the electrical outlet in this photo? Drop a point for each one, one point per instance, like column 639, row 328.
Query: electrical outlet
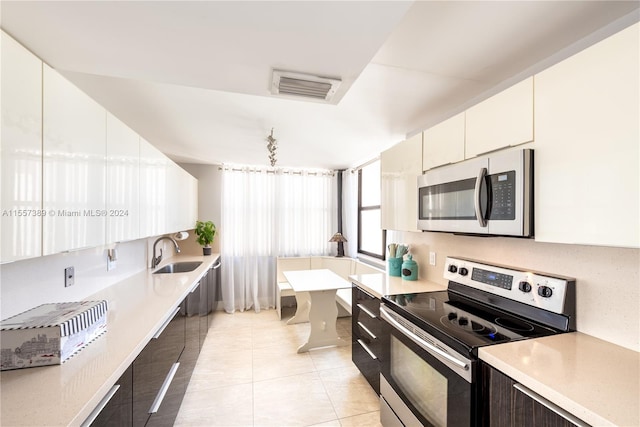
column 432, row 258
column 69, row 276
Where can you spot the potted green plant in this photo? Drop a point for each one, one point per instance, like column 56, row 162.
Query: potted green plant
column 205, row 230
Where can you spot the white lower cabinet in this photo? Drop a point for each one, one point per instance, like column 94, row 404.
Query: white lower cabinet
column 21, row 152
column 400, row 167
column 123, row 181
column 74, row 168
column 587, row 165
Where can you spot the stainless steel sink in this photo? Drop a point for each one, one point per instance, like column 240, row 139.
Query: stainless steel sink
column 179, row 267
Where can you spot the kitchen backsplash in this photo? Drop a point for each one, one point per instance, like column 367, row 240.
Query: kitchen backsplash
column 607, row 279
column 29, row 283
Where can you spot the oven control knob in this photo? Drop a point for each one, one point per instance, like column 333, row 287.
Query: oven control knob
column 452, row 268
column 452, row 316
column 463, row 271
column 545, row 291
column 463, row 321
column 524, row 286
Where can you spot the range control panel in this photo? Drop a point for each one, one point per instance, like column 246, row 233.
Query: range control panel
column 528, row 287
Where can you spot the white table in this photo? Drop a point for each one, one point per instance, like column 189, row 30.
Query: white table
column 316, row 303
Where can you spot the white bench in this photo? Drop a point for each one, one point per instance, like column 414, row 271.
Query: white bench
column 343, row 267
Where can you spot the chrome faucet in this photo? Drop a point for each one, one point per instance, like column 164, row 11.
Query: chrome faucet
column 156, row 260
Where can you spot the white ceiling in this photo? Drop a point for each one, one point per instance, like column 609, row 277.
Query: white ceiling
column 193, row 77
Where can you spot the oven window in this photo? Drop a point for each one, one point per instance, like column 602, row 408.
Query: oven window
column 425, row 387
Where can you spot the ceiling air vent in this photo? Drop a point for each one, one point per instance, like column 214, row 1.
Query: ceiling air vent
column 287, row 83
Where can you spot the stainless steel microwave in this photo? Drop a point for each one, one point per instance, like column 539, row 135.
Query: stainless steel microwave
column 489, row 195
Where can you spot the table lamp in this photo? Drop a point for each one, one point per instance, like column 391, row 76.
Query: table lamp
column 338, row 237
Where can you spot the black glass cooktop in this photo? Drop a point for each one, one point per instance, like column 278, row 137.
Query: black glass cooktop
column 462, row 323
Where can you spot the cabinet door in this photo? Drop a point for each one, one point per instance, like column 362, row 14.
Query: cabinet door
column 587, row 151
column 400, row 167
column 504, row 120
column 74, row 145
column 506, row 405
column 153, row 194
column 123, row 176
column 182, row 198
column 444, row 143
column 119, row 409
column 153, row 364
column 21, row 152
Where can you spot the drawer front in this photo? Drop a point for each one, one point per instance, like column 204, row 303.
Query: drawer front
column 369, row 366
column 365, row 300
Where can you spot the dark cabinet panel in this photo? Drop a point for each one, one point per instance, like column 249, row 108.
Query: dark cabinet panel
column 154, row 363
column 119, row 409
column 506, row 405
column 366, row 330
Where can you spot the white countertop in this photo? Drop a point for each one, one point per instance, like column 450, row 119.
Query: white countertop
column 66, row 394
column 315, row 280
column 379, row 284
column 592, row 379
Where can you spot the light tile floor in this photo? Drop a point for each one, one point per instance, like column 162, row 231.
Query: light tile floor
column 249, row 374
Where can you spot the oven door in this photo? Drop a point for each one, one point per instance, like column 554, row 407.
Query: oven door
column 422, row 380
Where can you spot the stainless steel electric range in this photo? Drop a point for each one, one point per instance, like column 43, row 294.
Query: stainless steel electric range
column 431, row 373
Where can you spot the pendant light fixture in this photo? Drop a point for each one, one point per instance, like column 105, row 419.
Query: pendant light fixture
column 272, row 147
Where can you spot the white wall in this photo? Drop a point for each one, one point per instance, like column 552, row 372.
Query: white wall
column 209, row 198
column 29, row 283
column 607, row 279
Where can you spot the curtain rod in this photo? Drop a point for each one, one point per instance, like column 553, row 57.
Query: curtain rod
column 273, row 171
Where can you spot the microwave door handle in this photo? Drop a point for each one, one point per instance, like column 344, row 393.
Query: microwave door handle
column 481, row 175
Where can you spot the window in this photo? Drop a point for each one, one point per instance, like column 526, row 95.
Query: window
column 371, row 238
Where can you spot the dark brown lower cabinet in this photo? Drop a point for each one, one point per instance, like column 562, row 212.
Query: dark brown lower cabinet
column 151, row 390
column 118, row 410
column 366, row 329
column 509, row 404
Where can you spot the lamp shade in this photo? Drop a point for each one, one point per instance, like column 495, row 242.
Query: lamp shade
column 338, row 237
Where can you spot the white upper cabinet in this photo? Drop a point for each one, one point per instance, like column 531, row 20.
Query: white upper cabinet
column 444, row 143
column 74, row 145
column 181, row 198
column 123, row 181
column 504, row 120
column 153, row 190
column 21, row 152
column 587, row 164
column 400, row 167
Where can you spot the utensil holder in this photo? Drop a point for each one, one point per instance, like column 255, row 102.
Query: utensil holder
column 395, row 267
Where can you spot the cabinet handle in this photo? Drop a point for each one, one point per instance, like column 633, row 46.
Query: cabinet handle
column 364, row 292
column 195, row 288
column 215, row 267
column 164, row 326
column 367, row 331
column 366, row 310
column 364, row 346
column 164, row 388
column 549, row 405
column 105, row 400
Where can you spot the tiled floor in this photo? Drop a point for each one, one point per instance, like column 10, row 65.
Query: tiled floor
column 249, row 374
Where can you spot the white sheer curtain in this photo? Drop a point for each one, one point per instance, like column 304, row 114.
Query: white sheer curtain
column 266, row 214
column 350, row 212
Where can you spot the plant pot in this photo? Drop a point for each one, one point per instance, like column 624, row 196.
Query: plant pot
column 206, row 250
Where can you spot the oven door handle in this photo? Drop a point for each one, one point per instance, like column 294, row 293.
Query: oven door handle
column 424, row 344
column 476, row 200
